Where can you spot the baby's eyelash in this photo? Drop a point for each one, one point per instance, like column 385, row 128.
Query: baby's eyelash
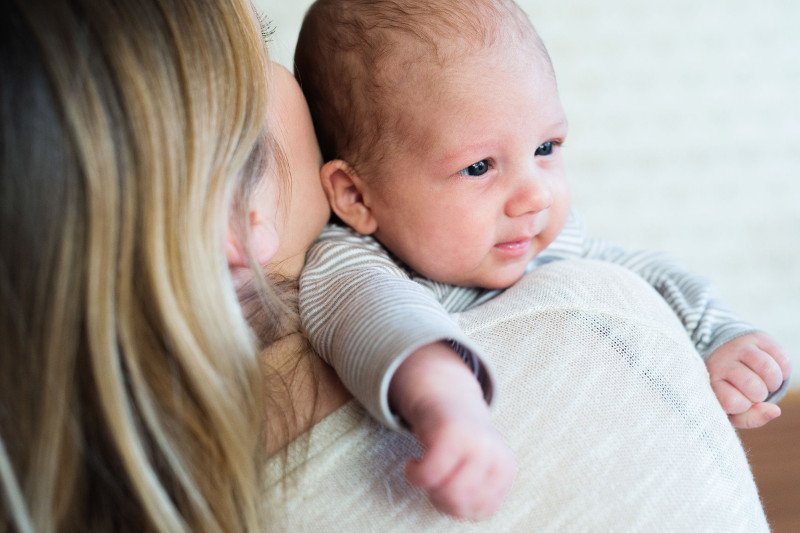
column 549, row 146
column 479, row 167
column 266, row 25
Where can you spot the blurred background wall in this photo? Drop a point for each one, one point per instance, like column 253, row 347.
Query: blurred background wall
column 684, row 135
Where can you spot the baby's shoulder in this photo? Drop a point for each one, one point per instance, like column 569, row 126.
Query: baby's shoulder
column 337, row 239
column 341, row 248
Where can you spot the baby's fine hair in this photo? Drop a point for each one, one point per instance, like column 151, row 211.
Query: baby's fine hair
column 352, row 54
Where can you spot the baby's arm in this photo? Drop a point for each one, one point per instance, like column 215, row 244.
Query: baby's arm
column 384, row 334
column 467, row 468
column 364, row 317
column 742, row 362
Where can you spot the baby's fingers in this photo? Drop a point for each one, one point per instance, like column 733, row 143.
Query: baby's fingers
column 733, row 402
column 475, row 492
column 435, row 467
column 777, row 353
column 766, row 366
column 758, row 415
column 747, row 382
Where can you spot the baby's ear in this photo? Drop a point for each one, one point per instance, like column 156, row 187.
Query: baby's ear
column 344, row 189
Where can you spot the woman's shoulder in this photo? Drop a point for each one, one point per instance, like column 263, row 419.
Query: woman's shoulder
column 609, row 413
column 303, row 391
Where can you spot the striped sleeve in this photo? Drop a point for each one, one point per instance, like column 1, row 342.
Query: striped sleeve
column 707, row 320
column 364, row 315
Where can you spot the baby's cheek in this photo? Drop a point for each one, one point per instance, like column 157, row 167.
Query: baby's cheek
column 560, row 218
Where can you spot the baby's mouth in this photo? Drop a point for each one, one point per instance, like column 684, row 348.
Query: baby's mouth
column 515, row 247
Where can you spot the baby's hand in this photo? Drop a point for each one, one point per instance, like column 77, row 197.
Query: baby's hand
column 743, row 373
column 466, row 467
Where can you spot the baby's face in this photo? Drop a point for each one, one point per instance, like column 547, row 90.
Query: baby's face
column 479, row 189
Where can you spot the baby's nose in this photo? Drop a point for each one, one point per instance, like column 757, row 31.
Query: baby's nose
column 531, row 195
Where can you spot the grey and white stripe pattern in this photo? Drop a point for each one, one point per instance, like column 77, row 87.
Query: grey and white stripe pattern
column 364, row 312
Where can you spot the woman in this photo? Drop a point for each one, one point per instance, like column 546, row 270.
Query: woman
column 133, row 137
column 134, row 165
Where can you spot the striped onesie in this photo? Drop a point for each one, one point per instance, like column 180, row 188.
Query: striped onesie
column 364, row 312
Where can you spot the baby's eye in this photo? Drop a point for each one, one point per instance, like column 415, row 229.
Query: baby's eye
column 476, row 169
column 546, row 148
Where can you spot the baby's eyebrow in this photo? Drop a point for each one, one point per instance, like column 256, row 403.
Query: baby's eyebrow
column 462, row 153
column 561, row 124
column 471, row 153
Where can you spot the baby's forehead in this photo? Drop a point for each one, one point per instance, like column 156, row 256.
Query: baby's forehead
column 418, row 74
column 411, row 35
column 435, row 101
column 363, row 62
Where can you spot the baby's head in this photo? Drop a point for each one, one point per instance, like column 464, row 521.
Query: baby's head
column 442, row 126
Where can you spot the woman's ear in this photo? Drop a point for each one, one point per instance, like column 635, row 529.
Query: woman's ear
column 263, row 237
column 345, row 192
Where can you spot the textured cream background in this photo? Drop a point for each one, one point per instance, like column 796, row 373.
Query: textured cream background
column 684, row 135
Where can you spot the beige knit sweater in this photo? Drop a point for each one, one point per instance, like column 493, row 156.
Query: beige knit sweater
column 604, row 400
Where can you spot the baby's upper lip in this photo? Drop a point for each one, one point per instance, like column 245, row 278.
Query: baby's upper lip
column 515, row 240
column 534, row 228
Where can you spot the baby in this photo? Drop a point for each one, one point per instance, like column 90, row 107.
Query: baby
column 442, row 129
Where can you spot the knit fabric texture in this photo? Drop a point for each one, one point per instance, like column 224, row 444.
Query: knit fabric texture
column 604, row 400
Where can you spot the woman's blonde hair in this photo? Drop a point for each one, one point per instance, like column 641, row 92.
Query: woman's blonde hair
column 129, row 384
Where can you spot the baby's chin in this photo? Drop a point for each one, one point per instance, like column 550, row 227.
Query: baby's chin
column 501, row 282
column 497, row 280
column 489, row 273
